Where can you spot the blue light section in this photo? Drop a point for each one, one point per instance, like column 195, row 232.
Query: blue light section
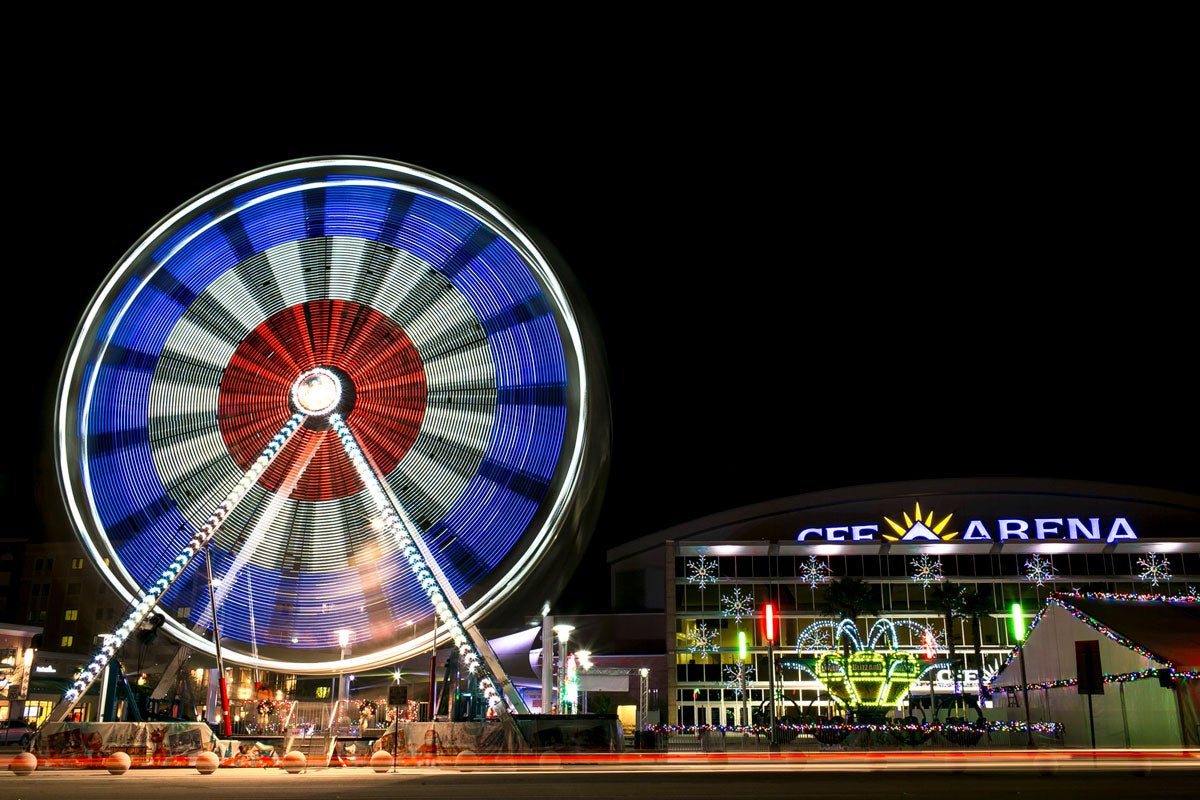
column 274, row 222
column 359, row 212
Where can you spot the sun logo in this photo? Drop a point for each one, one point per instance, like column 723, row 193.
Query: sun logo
column 917, row 529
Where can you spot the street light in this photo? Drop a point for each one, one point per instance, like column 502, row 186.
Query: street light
column 1018, row 630
column 769, row 635
column 643, row 707
column 343, row 684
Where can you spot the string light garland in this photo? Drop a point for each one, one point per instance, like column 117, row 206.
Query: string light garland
column 985, row 726
column 1063, row 600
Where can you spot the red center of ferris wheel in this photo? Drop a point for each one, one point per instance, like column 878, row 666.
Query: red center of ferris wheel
column 318, row 358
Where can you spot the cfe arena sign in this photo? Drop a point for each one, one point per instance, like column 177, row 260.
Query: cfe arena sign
column 919, row 528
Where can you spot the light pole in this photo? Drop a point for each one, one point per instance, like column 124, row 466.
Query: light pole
column 226, row 723
column 343, row 684
column 769, row 633
column 564, row 633
column 643, row 707
column 1018, row 622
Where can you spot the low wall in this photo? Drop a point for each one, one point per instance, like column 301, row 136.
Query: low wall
column 149, row 744
column 522, row 733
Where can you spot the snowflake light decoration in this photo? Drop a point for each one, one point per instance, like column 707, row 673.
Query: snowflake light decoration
column 1155, row 568
column 702, row 571
column 703, row 641
column 736, row 675
column 814, row 570
column 1039, row 570
column 926, row 570
column 738, row 604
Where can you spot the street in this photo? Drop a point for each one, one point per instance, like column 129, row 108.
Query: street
column 839, row 775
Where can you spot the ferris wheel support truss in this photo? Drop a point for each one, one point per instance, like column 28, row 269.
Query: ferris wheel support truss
column 472, row 646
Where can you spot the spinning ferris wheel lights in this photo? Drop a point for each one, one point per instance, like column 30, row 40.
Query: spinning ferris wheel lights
column 409, row 306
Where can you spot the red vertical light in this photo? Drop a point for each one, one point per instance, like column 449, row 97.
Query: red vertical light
column 769, row 622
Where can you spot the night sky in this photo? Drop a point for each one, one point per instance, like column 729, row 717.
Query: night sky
column 793, row 296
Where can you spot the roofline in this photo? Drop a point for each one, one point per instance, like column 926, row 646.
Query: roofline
column 830, row 498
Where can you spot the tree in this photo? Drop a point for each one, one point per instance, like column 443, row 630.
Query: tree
column 848, row 599
column 947, row 598
column 977, row 606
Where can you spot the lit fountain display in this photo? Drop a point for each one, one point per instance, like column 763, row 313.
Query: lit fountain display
column 875, row 675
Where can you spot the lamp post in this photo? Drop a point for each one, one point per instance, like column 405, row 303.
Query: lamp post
column 343, row 684
column 564, row 634
column 226, row 723
column 643, row 707
column 769, row 634
column 1018, row 620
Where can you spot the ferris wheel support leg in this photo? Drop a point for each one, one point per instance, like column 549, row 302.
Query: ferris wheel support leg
column 473, row 646
column 87, row 676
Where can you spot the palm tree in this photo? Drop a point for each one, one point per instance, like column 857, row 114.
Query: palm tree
column 848, row 599
column 977, row 606
column 948, row 599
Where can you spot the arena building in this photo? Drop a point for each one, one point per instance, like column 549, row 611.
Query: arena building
column 1003, row 542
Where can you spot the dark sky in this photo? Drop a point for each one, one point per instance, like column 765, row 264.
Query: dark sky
column 796, row 291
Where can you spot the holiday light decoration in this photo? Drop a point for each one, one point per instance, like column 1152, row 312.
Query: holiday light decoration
column 877, row 674
column 814, row 571
column 868, row 679
column 929, row 645
column 993, row 726
column 737, row 604
column 1038, row 570
column 927, row 570
column 703, row 641
column 1155, row 569
column 1063, row 600
column 702, row 571
column 737, row 675
column 571, row 686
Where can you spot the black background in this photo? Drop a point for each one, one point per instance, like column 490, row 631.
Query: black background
column 806, row 276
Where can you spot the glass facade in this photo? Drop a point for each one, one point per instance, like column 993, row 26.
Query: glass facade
column 717, row 597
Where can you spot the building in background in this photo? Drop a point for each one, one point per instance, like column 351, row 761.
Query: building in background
column 913, row 545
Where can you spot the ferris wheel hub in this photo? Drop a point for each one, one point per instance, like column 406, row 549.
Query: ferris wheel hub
column 317, row 392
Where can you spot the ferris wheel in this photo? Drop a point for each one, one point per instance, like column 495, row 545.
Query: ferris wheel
column 361, row 396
